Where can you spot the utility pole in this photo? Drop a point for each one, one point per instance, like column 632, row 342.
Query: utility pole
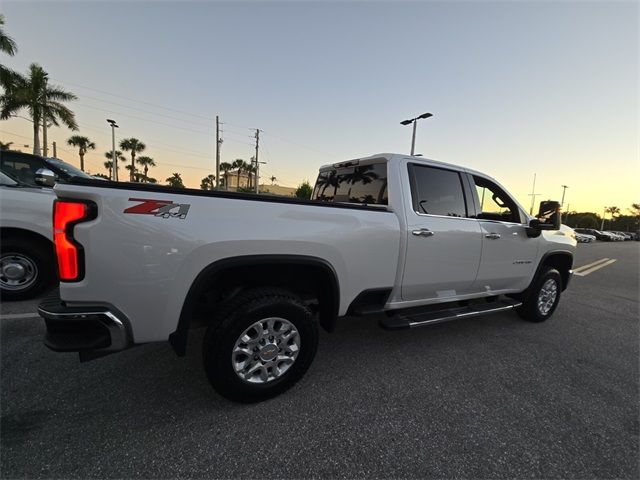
column 603, row 215
column 533, row 195
column 45, row 147
column 55, row 153
column 257, row 160
column 218, row 143
column 566, row 217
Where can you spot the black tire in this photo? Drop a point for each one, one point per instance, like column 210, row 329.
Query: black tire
column 530, row 309
column 235, row 317
column 36, row 258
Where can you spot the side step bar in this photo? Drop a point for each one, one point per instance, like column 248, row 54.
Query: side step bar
column 413, row 320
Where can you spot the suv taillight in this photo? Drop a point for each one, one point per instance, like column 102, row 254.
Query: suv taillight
column 67, row 214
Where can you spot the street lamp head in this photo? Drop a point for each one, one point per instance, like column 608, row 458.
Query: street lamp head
column 426, row 115
column 112, row 122
column 406, row 122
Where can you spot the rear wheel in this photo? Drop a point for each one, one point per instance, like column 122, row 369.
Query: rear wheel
column 543, row 297
column 263, row 343
column 26, row 268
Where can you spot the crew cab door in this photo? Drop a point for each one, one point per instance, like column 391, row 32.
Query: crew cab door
column 443, row 244
column 508, row 254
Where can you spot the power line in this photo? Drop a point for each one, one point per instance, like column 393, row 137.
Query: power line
column 191, row 130
column 133, row 100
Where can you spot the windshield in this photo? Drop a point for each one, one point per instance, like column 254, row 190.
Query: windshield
column 69, row 170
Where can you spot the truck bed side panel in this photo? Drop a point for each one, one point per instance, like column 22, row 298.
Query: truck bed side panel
column 144, row 264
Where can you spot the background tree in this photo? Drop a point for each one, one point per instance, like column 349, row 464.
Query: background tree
column 102, row 175
column 304, row 190
column 635, row 209
column 146, row 162
column 32, row 93
column 613, row 211
column 135, row 175
column 175, row 181
column 5, row 146
column 208, row 182
column 134, row 146
column 251, row 170
column 239, row 164
column 83, row 144
column 8, row 46
column 109, row 163
column 273, row 179
column 225, row 168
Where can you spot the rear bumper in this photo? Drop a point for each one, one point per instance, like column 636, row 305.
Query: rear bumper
column 84, row 329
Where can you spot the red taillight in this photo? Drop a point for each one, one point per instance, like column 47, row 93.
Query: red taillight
column 65, row 215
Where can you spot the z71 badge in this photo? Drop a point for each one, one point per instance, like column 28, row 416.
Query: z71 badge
column 158, row 208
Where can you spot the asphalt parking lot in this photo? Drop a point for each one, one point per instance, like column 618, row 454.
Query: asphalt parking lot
column 488, row 397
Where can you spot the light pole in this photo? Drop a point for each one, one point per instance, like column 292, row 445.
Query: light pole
column 603, row 215
column 415, row 121
column 533, row 195
column 564, row 189
column 114, row 159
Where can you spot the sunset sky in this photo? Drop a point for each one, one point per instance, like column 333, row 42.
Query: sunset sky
column 516, row 88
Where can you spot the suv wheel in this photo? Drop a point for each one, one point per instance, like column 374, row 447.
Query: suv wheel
column 263, row 343
column 543, row 297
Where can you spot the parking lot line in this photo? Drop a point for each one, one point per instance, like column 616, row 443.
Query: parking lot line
column 582, row 273
column 15, row 316
column 589, row 265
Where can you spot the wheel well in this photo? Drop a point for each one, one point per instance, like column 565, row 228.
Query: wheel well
column 561, row 262
column 310, row 278
column 7, row 233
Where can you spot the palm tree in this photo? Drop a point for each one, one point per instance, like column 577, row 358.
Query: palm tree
column 5, row 146
column 175, row 181
column 208, row 182
column 273, row 179
column 146, row 162
column 8, row 46
column 83, row 144
column 226, row 167
column 42, row 101
column 239, row 164
column 134, row 146
column 250, row 168
column 613, row 211
column 109, row 163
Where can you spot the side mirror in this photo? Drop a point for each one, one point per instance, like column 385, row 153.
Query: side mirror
column 45, row 177
column 548, row 217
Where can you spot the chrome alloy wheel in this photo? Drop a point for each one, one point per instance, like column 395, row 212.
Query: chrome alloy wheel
column 17, row 272
column 265, row 350
column 547, row 296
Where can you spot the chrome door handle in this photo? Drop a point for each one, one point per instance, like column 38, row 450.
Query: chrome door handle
column 492, row 236
column 423, row 232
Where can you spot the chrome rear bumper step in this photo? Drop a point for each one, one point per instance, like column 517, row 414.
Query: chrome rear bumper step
column 412, row 320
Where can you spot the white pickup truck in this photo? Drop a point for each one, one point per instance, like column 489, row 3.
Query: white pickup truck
column 413, row 240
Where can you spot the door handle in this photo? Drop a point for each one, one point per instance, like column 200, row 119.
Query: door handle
column 423, row 232
column 492, row 236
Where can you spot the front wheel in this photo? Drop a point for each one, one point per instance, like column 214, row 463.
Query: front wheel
column 543, row 297
column 263, row 343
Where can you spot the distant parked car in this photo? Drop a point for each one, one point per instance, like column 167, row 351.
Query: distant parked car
column 626, row 235
column 26, row 168
column 603, row 236
column 585, row 238
column 616, row 236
